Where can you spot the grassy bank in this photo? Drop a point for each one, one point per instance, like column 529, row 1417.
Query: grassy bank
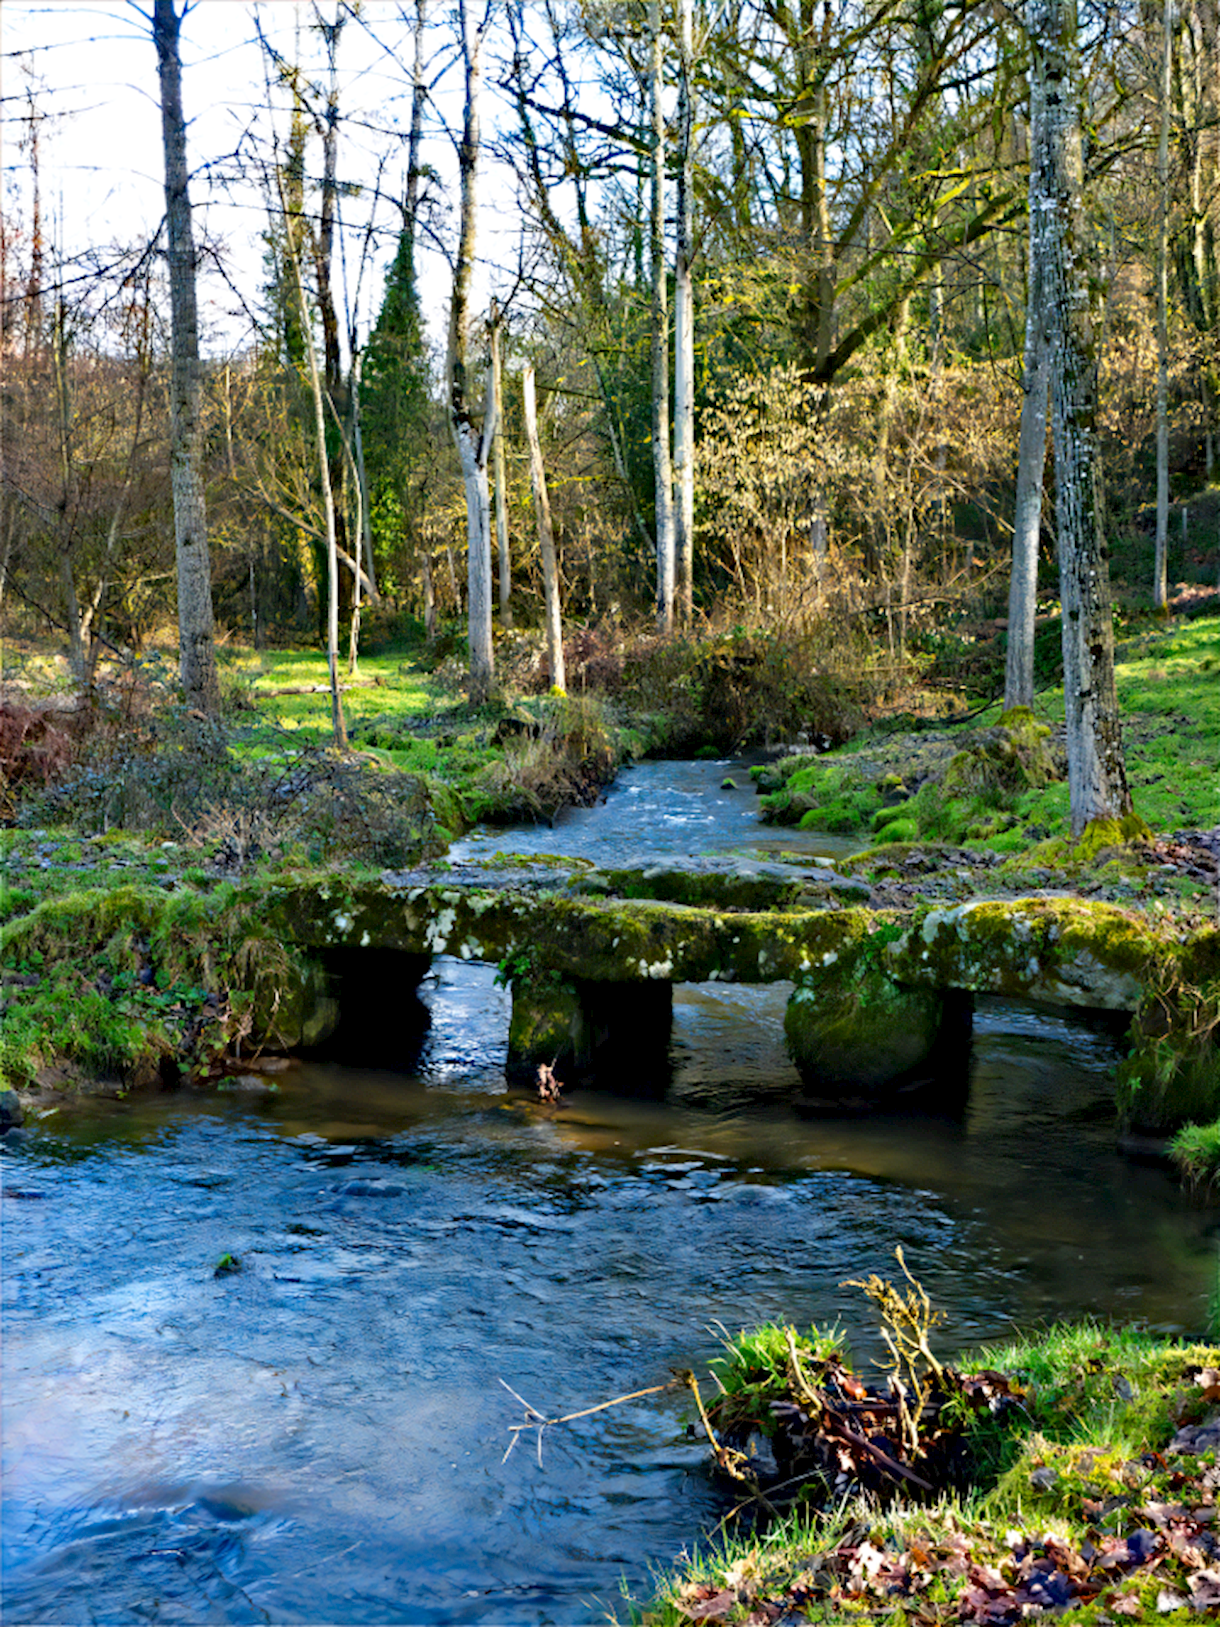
column 136, row 793
column 1088, row 1487
column 139, row 838
column 999, row 783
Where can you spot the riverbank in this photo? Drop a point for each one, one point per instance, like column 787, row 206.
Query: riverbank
column 1070, row 1473
column 169, row 838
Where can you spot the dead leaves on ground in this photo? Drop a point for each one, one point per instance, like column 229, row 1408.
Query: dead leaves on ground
column 1147, row 1549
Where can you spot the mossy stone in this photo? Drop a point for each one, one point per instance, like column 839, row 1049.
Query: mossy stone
column 294, row 1008
column 861, row 1033
column 548, row 1025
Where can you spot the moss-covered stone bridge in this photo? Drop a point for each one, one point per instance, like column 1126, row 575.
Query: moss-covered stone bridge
column 881, row 1000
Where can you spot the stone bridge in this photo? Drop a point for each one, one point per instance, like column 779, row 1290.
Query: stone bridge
column 881, row 999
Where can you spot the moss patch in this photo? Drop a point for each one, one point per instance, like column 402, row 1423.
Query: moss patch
column 134, row 983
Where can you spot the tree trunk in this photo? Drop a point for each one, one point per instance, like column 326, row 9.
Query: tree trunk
column 473, row 454
column 1031, row 452
column 684, row 322
column 1160, row 582
column 661, row 459
column 502, row 549
column 332, row 363
column 1027, row 522
column 337, row 721
column 425, row 569
column 1097, row 778
column 196, row 649
column 546, row 536
column 473, row 448
column 362, row 482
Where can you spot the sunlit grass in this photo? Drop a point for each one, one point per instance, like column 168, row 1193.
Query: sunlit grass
column 1098, row 1405
column 1168, row 683
column 289, row 690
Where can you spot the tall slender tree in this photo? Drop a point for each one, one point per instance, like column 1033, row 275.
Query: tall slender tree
column 1160, row 582
column 546, row 533
column 662, row 456
column 196, row 647
column 684, row 319
column 502, row 546
column 1097, row 776
column 1031, row 450
column 473, row 445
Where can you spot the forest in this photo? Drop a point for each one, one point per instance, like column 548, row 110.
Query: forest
column 769, row 346
column 609, row 749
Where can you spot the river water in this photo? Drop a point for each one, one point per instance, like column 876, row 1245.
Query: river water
column 319, row 1437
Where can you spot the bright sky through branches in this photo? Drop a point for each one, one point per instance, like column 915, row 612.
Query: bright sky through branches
column 89, row 73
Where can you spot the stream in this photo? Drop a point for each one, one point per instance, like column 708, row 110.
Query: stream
column 319, row 1437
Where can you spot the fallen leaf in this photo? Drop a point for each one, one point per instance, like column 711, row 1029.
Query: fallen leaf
column 1128, row 1605
column 1205, row 1589
column 1161, row 1513
column 711, row 1609
column 1142, row 1544
column 1166, row 1600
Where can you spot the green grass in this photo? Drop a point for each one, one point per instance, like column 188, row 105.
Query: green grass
column 402, row 715
column 1168, row 684
column 1195, row 1149
column 1075, row 1469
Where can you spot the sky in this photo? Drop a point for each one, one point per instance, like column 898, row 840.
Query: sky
column 92, row 73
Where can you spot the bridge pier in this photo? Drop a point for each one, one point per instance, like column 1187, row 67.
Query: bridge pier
column 586, row 1028
column 861, row 1035
column 379, row 1020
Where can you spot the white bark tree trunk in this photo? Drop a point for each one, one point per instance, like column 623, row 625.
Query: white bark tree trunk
column 337, row 721
column 502, row 545
column 1031, row 452
column 662, row 460
column 196, row 648
column 546, row 536
column 473, row 448
column 1160, row 574
column 1097, row 778
column 684, row 322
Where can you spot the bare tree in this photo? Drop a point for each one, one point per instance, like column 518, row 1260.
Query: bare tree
column 1097, row 776
column 661, row 455
column 502, row 547
column 196, row 650
column 1160, row 582
column 474, row 448
column 684, row 319
column 1031, row 452
column 546, row 534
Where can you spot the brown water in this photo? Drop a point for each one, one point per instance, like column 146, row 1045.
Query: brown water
column 320, row 1437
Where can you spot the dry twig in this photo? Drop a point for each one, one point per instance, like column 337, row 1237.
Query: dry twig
column 539, row 1421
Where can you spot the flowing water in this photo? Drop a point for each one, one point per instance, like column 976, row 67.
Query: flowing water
column 320, row 1436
